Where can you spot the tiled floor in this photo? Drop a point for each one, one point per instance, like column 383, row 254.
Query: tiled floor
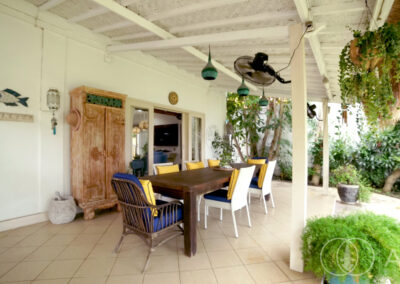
column 82, row 251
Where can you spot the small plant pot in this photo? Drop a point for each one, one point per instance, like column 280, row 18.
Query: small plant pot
column 348, row 193
column 348, row 280
column 62, row 211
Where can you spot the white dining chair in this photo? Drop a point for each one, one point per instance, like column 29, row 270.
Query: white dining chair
column 266, row 186
column 155, row 171
column 218, row 198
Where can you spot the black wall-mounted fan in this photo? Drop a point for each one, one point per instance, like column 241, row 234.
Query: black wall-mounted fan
column 257, row 70
column 311, row 111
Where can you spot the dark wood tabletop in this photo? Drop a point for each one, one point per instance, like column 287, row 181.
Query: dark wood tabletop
column 187, row 185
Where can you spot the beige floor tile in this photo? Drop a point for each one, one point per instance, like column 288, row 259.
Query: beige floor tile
column 233, row 275
column 95, row 267
column 168, row 248
column 242, row 242
column 75, row 252
column 45, row 253
column 125, row 279
column 10, row 241
column 3, row 249
column 124, row 266
column 59, row 240
column 224, row 259
column 52, row 281
column 253, row 255
column 198, row 277
column 86, row 239
column 103, row 250
column 266, row 273
column 74, row 228
column 217, row 244
column 95, row 229
column 60, row 269
column 6, row 266
column 291, row 274
column 278, row 252
column 89, row 280
column 134, row 251
column 25, row 271
column 163, row 263
column 199, row 261
column 165, row 278
column 34, row 240
column 307, row 281
column 16, row 254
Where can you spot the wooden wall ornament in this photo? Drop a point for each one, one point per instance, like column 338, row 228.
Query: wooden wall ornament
column 173, row 98
column 97, row 146
column 17, row 117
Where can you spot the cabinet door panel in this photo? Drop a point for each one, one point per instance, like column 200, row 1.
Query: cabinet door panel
column 93, row 149
column 115, row 146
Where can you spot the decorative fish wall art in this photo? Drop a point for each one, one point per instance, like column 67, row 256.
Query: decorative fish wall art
column 12, row 98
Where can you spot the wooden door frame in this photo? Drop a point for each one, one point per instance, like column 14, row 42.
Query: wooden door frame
column 185, row 128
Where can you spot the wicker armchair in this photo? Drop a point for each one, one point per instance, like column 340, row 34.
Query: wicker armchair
column 138, row 215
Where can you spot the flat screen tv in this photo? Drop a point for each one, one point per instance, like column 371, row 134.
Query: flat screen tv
column 166, row 135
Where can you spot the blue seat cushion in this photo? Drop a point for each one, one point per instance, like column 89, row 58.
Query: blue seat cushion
column 218, row 195
column 168, row 219
column 129, row 177
column 254, row 180
column 254, row 183
column 261, row 158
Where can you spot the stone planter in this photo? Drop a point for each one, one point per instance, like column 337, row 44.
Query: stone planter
column 62, row 210
column 348, row 193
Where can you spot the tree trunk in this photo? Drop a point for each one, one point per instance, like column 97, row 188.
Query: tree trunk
column 277, row 135
column 238, row 149
column 266, row 132
column 390, row 180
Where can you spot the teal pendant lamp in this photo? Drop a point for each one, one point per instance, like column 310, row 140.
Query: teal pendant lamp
column 209, row 72
column 263, row 102
column 243, row 90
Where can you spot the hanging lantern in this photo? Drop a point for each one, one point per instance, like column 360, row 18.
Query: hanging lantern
column 243, row 90
column 209, row 72
column 263, row 102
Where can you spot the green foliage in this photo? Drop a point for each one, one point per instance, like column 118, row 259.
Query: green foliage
column 372, row 88
column 373, row 246
column 223, row 149
column 345, row 175
column 316, row 151
column 378, row 155
column 340, row 153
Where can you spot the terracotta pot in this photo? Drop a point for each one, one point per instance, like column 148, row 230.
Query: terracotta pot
column 356, row 58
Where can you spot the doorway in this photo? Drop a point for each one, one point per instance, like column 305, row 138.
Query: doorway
column 167, row 137
column 140, row 142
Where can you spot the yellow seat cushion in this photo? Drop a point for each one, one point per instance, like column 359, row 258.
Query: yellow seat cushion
column 256, row 161
column 167, row 169
column 213, row 163
column 232, row 183
column 148, row 191
column 261, row 175
column 194, row 166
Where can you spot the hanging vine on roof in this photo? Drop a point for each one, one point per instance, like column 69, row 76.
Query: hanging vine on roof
column 370, row 73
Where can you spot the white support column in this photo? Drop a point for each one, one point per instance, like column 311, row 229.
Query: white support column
column 325, row 153
column 299, row 156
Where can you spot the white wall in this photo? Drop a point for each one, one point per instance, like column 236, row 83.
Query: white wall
column 49, row 52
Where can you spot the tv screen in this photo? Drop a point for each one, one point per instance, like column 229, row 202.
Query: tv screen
column 166, row 135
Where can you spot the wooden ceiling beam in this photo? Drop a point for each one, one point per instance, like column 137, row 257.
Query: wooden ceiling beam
column 89, row 14
column 50, row 4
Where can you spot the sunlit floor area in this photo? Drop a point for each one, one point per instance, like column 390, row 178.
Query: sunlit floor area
column 82, row 251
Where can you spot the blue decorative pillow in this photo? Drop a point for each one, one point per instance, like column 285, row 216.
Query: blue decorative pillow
column 129, row 177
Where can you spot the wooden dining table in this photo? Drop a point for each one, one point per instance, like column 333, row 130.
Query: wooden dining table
column 188, row 185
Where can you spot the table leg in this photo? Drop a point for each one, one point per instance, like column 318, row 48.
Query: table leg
column 190, row 221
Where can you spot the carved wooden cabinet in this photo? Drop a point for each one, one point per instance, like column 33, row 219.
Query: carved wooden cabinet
column 97, row 120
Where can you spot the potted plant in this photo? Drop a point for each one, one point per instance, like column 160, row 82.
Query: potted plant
column 223, row 149
column 370, row 72
column 357, row 248
column 346, row 179
column 316, row 153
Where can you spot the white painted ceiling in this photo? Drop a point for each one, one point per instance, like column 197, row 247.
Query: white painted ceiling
column 184, row 18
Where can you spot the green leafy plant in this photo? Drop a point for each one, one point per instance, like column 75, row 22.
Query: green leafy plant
column 369, row 66
column 363, row 243
column 223, row 149
column 340, row 153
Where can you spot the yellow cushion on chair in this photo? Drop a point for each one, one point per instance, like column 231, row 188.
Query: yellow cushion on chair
column 261, row 175
column 256, row 161
column 167, row 169
column 213, row 163
column 194, row 166
column 148, row 191
column 232, row 183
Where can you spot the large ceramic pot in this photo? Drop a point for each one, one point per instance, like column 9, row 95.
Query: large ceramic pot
column 62, row 210
column 348, row 193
